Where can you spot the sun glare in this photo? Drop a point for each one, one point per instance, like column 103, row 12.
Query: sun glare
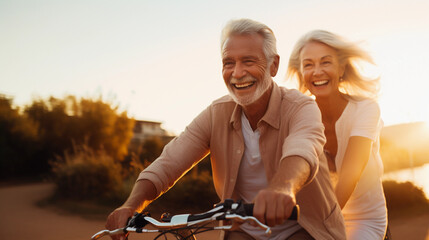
column 367, row 69
column 426, row 127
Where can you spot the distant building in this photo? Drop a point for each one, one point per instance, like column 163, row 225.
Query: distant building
column 148, row 129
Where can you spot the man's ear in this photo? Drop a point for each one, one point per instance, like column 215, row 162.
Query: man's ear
column 275, row 66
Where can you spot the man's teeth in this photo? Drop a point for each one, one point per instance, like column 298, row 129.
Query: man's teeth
column 319, row 83
column 243, row 85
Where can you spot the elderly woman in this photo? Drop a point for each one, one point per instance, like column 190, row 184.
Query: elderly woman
column 324, row 65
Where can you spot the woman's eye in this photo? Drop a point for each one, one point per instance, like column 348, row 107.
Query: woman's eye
column 326, row 62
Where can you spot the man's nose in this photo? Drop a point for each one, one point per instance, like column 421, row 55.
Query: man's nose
column 238, row 71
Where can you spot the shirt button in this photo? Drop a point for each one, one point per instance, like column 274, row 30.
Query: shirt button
column 238, row 151
column 231, row 180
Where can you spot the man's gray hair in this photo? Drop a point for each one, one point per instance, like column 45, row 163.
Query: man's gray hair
column 248, row 26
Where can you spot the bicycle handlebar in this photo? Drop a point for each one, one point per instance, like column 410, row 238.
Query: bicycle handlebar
column 228, row 210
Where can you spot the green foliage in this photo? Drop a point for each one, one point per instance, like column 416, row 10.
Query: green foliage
column 151, row 149
column 403, row 195
column 45, row 129
column 29, row 139
column 104, row 128
column 85, row 142
column 89, row 174
column 53, row 128
column 93, row 122
column 147, row 151
column 194, row 192
column 18, row 140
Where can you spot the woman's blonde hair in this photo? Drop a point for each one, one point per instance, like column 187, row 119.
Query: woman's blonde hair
column 353, row 83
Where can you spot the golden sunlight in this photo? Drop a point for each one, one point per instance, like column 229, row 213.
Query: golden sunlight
column 426, row 127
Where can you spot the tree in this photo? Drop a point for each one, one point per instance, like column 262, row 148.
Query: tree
column 151, row 149
column 68, row 122
column 18, row 140
column 104, row 128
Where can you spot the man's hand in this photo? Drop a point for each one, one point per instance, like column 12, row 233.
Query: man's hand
column 273, row 207
column 118, row 219
column 274, row 204
column 142, row 194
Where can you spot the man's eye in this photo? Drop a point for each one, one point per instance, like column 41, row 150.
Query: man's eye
column 248, row 62
column 326, row 62
column 228, row 64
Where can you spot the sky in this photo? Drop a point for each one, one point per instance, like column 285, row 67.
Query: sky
column 160, row 60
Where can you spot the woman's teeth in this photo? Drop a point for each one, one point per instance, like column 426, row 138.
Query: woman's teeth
column 320, row 83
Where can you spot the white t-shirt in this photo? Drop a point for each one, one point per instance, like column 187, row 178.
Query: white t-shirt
column 252, row 178
column 362, row 118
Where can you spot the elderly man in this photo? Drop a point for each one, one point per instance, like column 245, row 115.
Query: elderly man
column 264, row 142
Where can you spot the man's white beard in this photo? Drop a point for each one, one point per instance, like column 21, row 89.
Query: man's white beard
column 260, row 90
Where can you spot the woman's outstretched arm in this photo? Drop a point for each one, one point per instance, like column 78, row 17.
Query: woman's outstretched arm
column 354, row 162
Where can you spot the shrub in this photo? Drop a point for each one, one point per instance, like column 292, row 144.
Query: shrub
column 86, row 174
column 194, row 193
column 18, row 142
column 60, row 123
column 403, row 195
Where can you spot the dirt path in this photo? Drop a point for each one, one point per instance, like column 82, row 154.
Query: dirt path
column 25, row 220
column 416, row 228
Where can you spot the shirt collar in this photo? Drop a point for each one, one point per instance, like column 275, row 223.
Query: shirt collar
column 273, row 113
column 271, row 116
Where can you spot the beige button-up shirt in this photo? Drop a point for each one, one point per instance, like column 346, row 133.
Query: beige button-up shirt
column 291, row 126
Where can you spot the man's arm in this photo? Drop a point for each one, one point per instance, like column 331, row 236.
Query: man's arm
column 143, row 193
column 178, row 156
column 274, row 204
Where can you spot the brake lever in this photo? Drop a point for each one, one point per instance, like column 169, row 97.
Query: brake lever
column 103, row 233
column 251, row 218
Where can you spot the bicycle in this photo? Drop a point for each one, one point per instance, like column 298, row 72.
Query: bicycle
column 187, row 226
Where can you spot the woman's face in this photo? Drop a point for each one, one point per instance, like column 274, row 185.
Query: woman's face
column 320, row 69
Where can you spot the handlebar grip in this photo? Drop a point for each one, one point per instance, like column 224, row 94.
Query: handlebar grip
column 138, row 220
column 248, row 208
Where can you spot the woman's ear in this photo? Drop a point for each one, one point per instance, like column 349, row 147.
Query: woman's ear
column 342, row 70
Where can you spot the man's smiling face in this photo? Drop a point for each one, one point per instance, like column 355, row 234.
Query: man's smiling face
column 245, row 69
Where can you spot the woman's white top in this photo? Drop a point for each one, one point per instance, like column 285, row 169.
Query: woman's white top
column 362, row 118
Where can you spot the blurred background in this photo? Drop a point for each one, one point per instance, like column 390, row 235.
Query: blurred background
column 91, row 91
